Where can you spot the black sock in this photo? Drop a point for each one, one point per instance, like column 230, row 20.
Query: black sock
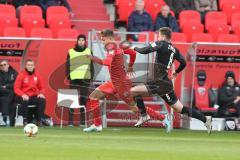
column 194, row 112
column 140, row 105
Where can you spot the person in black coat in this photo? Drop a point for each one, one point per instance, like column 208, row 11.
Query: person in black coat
column 165, row 19
column 7, row 79
column 229, row 94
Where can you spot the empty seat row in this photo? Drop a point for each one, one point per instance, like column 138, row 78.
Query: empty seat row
column 41, row 33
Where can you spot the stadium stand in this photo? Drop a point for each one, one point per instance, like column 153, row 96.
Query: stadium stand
column 229, row 9
column 189, row 16
column 202, row 37
column 14, row 32
column 216, row 29
column 179, row 37
column 67, row 33
column 41, row 33
column 215, row 18
column 192, row 28
column 228, row 38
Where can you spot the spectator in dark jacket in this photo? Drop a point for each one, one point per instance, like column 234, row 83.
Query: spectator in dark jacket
column 18, row 3
column 179, row 5
column 139, row 20
column 229, row 94
column 30, row 91
column 47, row 3
column 7, row 79
column 165, row 19
column 204, row 6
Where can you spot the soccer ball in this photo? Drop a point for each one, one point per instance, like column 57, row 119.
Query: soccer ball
column 30, row 130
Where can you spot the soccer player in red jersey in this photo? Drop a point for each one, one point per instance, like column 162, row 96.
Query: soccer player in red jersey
column 120, row 84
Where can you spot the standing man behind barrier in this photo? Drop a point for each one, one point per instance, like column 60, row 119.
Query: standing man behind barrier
column 79, row 70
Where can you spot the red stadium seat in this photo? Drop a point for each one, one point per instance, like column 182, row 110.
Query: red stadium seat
column 41, row 33
column 153, row 7
column 30, row 12
column 215, row 18
column 29, row 24
column 14, row 32
column 7, row 22
column 192, row 28
column 221, row 2
column 202, row 94
column 216, row 29
column 228, row 38
column 236, row 30
column 7, row 11
column 230, row 9
column 189, row 16
column 202, row 37
column 143, row 37
column 235, row 20
column 179, row 37
column 67, row 33
column 56, row 25
column 124, row 10
column 84, row 26
column 57, row 13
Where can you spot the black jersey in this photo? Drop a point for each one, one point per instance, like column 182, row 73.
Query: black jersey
column 166, row 54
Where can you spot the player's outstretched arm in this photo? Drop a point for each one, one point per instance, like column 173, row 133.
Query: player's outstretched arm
column 96, row 59
column 146, row 50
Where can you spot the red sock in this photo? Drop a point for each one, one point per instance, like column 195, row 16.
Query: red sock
column 94, row 107
column 155, row 115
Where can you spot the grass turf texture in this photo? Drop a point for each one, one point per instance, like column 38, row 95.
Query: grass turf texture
column 118, row 144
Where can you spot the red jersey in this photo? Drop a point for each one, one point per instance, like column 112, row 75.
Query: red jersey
column 30, row 85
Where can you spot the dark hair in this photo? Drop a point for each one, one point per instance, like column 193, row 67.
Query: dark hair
column 107, row 33
column 28, row 60
column 81, row 36
column 165, row 31
column 229, row 74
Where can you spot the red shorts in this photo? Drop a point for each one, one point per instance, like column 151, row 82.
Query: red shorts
column 110, row 90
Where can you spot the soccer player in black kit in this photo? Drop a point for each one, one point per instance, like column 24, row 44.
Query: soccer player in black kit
column 161, row 84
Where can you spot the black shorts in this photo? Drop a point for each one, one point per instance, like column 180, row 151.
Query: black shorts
column 163, row 88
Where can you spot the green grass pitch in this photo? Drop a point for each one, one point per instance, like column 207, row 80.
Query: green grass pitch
column 118, row 144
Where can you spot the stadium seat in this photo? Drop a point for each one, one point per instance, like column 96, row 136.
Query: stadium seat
column 29, row 24
column 216, row 29
column 215, row 18
column 67, row 33
column 143, row 37
column 202, row 37
column 189, row 16
column 236, row 31
column 124, row 10
column 192, row 28
column 41, row 33
column 30, row 12
column 153, row 7
column 84, row 26
column 235, row 20
column 228, row 38
column 56, row 13
column 229, row 9
column 14, row 32
column 56, row 25
column 179, row 37
column 204, row 97
column 7, row 22
column 7, row 11
column 221, row 2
